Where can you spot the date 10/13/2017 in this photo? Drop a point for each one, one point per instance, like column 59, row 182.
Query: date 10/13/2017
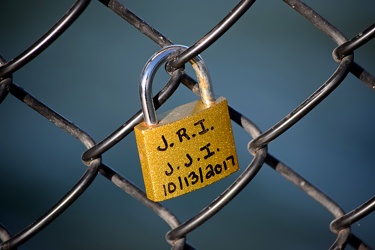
column 195, row 177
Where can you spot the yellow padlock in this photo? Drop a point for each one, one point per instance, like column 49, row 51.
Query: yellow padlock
column 188, row 147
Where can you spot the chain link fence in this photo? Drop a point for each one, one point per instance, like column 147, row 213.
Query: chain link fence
column 39, row 160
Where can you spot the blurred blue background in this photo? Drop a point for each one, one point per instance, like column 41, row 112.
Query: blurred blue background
column 266, row 65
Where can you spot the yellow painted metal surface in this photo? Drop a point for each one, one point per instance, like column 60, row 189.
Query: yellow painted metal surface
column 191, row 147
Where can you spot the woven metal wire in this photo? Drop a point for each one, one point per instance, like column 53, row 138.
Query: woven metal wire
column 257, row 147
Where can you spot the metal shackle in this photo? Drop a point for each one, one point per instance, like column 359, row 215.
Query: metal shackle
column 148, row 73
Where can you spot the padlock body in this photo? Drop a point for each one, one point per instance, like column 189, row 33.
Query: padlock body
column 191, row 147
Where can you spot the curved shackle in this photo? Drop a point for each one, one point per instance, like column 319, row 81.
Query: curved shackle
column 148, row 73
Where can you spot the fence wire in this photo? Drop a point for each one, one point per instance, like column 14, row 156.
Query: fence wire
column 257, row 147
